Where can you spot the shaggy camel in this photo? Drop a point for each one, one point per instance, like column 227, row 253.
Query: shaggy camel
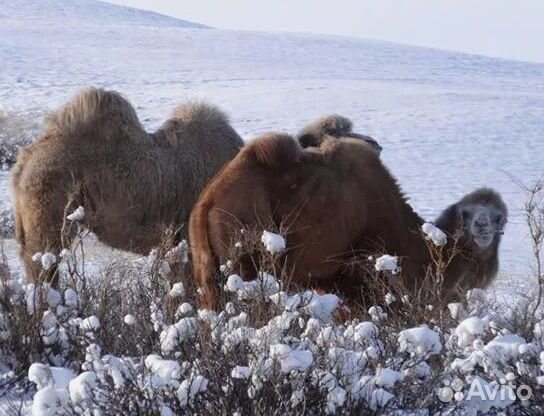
column 133, row 185
column 333, row 201
column 331, row 125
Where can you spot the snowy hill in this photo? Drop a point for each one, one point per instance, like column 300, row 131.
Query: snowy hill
column 448, row 122
column 84, row 13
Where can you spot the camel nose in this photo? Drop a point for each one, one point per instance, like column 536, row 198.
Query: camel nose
column 482, row 221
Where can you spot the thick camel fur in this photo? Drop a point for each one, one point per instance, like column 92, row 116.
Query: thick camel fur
column 336, row 202
column 132, row 184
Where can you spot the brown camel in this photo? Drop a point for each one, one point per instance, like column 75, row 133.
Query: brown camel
column 133, row 185
column 334, row 201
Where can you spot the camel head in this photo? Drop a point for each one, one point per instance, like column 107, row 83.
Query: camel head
column 479, row 216
column 333, row 125
column 484, row 223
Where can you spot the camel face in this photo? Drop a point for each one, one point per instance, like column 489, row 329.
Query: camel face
column 484, row 223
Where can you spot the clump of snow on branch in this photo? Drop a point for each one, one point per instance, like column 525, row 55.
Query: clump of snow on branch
column 274, row 243
column 470, row 329
column 48, row 260
column 265, row 285
column 387, row 263
column 434, row 234
column 291, row 360
column 77, row 215
column 420, row 341
column 177, row 290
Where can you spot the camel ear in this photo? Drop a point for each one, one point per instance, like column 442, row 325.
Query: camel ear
column 309, row 140
column 449, row 219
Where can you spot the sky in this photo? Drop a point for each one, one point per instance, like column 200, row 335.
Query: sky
column 502, row 28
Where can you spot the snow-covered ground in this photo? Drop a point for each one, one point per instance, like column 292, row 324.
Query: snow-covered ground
column 448, row 122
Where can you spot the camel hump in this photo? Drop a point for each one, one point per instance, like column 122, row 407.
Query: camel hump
column 329, row 125
column 199, row 112
column 274, row 150
column 199, row 121
column 91, row 109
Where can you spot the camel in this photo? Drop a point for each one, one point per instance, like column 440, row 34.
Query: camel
column 133, row 185
column 334, row 201
column 331, row 126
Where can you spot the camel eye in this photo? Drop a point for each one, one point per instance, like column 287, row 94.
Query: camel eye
column 499, row 219
column 465, row 214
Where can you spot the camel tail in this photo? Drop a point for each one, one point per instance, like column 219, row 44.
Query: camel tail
column 204, row 261
column 93, row 110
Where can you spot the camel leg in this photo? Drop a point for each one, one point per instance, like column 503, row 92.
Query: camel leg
column 204, row 268
column 35, row 271
column 38, row 231
column 204, row 263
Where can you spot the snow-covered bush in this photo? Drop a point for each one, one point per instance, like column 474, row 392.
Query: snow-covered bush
column 130, row 339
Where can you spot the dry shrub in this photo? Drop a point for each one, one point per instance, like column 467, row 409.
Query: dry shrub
column 15, row 130
column 199, row 347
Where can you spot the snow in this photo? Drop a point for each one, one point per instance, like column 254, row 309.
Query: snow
column 177, row 290
column 166, row 370
column 322, row 306
column 185, row 308
column 48, row 260
column 77, row 215
column 420, row 341
column 389, row 298
column 53, row 297
column 183, row 330
column 274, row 243
column 190, row 388
column 265, row 285
column 366, row 330
column 347, row 363
column 90, row 324
column 129, row 319
column 435, row 234
column 386, row 377
column 34, row 297
column 81, row 387
column 457, row 310
column 52, row 384
column 386, row 263
column 504, row 348
column 470, row 329
column 181, row 252
column 291, row 360
column 48, row 402
column 40, row 374
column 240, row 372
column 70, row 297
column 377, row 314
